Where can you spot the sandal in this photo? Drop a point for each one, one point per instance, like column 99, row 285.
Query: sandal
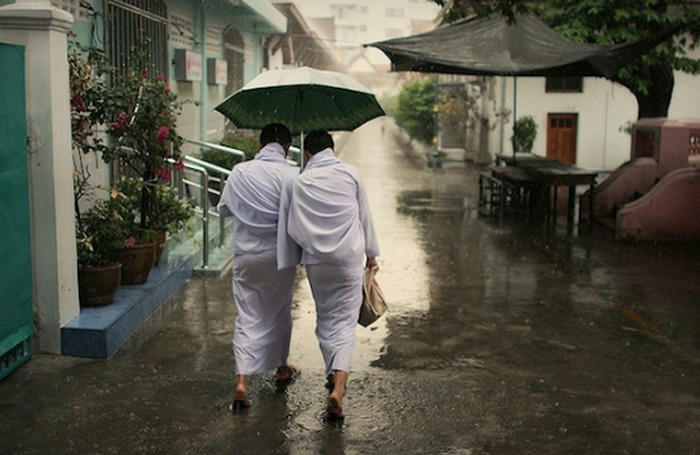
column 335, row 414
column 241, row 403
column 292, row 373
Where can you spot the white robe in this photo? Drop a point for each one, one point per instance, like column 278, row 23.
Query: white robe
column 329, row 217
column 263, row 294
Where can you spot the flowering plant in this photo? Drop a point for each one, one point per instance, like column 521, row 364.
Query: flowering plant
column 142, row 113
column 97, row 234
column 170, row 213
column 104, row 231
column 139, row 114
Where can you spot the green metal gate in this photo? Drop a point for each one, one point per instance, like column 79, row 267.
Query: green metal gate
column 16, row 321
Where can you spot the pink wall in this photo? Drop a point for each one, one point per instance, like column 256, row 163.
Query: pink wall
column 670, row 211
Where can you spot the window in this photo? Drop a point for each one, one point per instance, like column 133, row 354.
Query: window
column 564, row 84
column 234, row 53
column 140, row 24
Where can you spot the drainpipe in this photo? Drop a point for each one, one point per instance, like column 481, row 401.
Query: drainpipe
column 605, row 131
column 503, row 106
column 203, row 84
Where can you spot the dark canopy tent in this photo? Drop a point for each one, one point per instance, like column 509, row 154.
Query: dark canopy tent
column 491, row 46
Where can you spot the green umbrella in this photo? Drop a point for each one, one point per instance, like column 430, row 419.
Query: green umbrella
column 304, row 99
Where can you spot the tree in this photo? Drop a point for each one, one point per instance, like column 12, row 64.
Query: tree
column 415, row 108
column 605, row 23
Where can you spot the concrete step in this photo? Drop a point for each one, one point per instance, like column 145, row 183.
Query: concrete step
column 98, row 332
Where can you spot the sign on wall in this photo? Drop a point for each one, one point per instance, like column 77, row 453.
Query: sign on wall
column 217, row 71
column 188, row 66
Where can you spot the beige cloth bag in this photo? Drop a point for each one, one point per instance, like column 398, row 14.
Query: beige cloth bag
column 373, row 302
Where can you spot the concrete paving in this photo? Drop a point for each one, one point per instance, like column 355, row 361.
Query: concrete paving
column 503, row 338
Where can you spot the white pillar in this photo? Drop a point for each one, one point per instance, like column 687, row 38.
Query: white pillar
column 42, row 29
column 483, row 155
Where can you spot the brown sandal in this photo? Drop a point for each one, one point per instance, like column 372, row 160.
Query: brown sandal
column 241, row 404
column 292, row 373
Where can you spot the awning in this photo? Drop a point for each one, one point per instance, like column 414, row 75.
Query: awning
column 492, row 46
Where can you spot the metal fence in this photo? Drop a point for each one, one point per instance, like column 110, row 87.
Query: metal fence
column 201, row 182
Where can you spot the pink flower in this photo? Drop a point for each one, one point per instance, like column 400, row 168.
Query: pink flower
column 130, row 242
column 120, row 123
column 179, row 165
column 160, row 78
column 163, row 133
column 117, row 126
column 163, row 173
column 167, row 89
column 79, row 103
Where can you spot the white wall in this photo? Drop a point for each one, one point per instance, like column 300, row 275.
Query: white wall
column 603, row 109
column 686, row 93
column 202, row 121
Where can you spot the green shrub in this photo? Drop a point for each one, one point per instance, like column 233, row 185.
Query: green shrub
column 525, row 134
column 415, row 109
column 246, row 142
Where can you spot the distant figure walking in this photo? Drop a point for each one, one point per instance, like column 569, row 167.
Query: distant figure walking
column 263, row 294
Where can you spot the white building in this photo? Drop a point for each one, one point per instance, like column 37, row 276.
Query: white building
column 584, row 124
column 357, row 22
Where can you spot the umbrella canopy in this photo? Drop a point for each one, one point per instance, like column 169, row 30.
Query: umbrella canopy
column 303, row 99
column 491, row 46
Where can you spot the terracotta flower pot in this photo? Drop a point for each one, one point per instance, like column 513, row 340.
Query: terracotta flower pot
column 136, row 263
column 97, row 285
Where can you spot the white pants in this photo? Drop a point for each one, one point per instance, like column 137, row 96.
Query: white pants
column 337, row 291
column 263, row 297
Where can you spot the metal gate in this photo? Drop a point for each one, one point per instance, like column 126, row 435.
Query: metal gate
column 137, row 25
column 16, row 323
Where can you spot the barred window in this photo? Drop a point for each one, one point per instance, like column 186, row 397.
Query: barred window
column 137, row 25
column 564, row 84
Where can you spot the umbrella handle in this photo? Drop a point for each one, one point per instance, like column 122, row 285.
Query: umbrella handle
column 301, row 151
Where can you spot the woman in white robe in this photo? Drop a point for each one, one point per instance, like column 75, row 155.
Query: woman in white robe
column 262, row 292
column 329, row 217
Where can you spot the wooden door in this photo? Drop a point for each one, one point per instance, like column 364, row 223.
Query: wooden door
column 561, row 137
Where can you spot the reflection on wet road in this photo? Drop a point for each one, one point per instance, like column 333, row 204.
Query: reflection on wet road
column 501, row 339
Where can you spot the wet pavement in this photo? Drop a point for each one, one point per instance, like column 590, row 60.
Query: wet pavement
column 502, row 338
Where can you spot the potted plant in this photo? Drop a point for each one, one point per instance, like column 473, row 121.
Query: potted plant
column 170, row 215
column 524, row 134
column 99, row 275
column 100, row 234
column 142, row 113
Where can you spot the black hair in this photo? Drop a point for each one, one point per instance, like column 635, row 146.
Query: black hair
column 275, row 132
column 317, row 141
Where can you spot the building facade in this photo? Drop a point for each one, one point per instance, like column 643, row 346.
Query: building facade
column 205, row 49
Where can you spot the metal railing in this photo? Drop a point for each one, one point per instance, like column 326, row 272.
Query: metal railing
column 208, row 172
column 181, row 181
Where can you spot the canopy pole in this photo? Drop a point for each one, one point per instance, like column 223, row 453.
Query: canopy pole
column 515, row 115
